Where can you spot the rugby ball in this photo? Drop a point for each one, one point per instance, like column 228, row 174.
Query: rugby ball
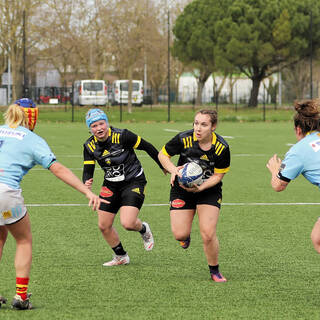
column 191, row 174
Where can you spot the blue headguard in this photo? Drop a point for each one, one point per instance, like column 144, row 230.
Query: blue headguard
column 94, row 115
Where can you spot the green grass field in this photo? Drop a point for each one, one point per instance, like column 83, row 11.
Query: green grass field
column 266, row 252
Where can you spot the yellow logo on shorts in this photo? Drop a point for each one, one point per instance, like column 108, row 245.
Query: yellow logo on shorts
column 6, row 214
column 219, row 201
column 137, row 190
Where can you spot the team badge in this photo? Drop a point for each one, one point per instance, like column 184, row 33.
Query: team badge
column 105, row 192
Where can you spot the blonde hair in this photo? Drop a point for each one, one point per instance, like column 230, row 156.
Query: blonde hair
column 15, row 116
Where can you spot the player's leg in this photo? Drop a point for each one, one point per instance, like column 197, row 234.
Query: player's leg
column 208, row 219
column 181, row 225
column 21, row 231
column 182, row 211
column 315, row 236
column 132, row 198
column 3, row 238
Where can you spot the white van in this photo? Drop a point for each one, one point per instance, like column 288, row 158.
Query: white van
column 90, row 92
column 120, row 92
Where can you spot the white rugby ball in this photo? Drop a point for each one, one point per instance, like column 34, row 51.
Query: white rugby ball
column 191, row 174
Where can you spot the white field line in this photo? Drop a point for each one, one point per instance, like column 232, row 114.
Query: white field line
column 166, row 204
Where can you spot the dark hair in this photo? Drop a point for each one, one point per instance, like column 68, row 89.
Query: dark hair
column 307, row 116
column 211, row 113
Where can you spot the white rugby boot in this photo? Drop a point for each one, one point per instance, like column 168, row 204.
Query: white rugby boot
column 117, row 261
column 147, row 237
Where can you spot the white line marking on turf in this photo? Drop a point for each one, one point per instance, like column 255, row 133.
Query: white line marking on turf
column 166, row 204
column 171, row 130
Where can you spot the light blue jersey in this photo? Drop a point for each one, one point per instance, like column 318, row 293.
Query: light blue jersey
column 303, row 158
column 21, row 150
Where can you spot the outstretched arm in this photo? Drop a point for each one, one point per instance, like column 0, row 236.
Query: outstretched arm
column 273, row 165
column 68, row 177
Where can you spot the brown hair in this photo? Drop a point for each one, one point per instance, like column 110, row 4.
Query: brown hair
column 15, row 116
column 307, row 116
column 211, row 113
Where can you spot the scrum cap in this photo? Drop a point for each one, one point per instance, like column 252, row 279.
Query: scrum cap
column 30, row 109
column 94, row 115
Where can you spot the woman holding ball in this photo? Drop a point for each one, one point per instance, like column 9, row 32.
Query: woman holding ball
column 203, row 146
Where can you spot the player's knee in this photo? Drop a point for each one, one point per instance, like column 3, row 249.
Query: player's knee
column 208, row 237
column 129, row 225
column 105, row 228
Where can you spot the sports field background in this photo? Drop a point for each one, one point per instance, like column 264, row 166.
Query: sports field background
column 266, row 251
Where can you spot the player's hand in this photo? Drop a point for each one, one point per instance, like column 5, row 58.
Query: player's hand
column 88, row 183
column 274, row 164
column 194, row 189
column 175, row 173
column 94, row 200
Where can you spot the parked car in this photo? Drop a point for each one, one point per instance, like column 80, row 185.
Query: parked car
column 120, row 92
column 90, row 92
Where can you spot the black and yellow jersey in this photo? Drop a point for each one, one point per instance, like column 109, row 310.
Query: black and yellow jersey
column 185, row 144
column 116, row 155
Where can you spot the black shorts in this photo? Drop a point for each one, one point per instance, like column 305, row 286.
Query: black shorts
column 180, row 199
column 126, row 193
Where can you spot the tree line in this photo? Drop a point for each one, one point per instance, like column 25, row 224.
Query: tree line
column 129, row 38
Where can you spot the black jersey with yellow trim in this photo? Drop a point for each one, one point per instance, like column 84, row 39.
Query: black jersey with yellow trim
column 115, row 156
column 214, row 160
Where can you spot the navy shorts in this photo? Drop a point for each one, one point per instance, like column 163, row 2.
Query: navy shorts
column 180, row 199
column 126, row 193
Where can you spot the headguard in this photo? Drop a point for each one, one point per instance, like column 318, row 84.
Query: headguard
column 94, row 115
column 30, row 109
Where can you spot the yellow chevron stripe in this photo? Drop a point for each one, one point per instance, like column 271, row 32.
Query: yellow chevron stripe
column 137, row 143
column 216, row 170
column 89, row 162
column 184, row 143
column 90, row 147
column 219, row 146
column 221, row 150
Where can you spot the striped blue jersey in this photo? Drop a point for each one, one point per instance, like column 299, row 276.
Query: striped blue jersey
column 303, row 158
column 21, row 150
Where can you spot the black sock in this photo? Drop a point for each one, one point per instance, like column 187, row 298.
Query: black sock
column 143, row 229
column 214, row 269
column 118, row 250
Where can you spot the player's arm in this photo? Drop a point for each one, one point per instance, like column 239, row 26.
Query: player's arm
column 168, row 165
column 88, row 168
column 278, row 182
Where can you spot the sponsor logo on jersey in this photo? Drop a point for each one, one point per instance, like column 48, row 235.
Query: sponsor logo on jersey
column 315, row 145
column 105, row 192
column 204, row 157
column 105, row 153
column 12, row 133
column 137, row 190
column 177, row 203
